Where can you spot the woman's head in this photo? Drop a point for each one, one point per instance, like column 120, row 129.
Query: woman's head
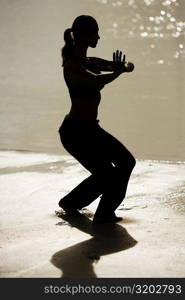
column 84, row 30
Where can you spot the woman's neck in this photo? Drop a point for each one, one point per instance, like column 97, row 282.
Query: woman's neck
column 80, row 50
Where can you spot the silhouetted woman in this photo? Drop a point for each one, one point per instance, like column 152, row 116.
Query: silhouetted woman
column 107, row 159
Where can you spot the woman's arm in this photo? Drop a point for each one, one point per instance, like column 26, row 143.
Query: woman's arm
column 108, row 66
column 78, row 74
column 102, row 64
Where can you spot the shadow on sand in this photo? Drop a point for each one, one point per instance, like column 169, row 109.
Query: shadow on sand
column 77, row 261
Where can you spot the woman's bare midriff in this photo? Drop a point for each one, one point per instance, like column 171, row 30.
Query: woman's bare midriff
column 84, row 110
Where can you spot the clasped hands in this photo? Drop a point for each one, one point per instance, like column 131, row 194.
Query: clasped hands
column 119, row 63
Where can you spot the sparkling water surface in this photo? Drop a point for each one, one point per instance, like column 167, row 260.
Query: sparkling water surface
column 144, row 109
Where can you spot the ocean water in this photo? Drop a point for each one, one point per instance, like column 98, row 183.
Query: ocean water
column 145, row 109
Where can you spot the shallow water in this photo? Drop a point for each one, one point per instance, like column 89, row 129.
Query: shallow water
column 145, row 109
column 159, row 185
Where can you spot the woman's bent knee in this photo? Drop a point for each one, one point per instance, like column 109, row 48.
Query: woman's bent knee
column 132, row 161
column 128, row 162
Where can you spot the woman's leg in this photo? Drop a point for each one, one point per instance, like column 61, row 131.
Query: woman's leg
column 110, row 164
column 82, row 144
column 124, row 163
column 83, row 194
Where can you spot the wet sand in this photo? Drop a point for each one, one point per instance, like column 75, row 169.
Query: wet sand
column 35, row 242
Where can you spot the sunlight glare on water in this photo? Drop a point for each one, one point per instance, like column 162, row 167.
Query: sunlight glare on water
column 144, row 109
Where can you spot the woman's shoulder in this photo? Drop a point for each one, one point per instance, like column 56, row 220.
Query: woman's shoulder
column 73, row 69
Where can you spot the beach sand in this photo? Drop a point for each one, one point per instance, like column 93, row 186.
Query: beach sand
column 35, row 242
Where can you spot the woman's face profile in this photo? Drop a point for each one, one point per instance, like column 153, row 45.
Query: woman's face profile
column 93, row 36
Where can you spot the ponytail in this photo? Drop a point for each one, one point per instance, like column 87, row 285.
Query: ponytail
column 67, row 50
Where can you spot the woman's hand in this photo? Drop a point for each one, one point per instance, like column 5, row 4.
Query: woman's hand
column 118, row 62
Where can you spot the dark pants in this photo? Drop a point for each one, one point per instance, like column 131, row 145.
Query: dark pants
column 107, row 159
